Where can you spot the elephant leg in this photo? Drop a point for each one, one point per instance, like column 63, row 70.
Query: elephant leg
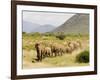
column 41, row 56
column 61, row 53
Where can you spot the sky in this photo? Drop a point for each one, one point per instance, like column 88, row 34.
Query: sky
column 43, row 18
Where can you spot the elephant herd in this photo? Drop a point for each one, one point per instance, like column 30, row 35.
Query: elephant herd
column 53, row 49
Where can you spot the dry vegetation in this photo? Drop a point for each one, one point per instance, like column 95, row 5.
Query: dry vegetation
column 67, row 59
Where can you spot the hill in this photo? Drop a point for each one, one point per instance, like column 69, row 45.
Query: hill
column 78, row 23
column 33, row 27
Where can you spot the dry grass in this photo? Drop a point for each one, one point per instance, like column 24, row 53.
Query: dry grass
column 29, row 54
column 60, row 61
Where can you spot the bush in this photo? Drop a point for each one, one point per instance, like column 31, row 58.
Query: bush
column 83, row 57
column 36, row 34
column 23, row 32
column 61, row 36
column 48, row 34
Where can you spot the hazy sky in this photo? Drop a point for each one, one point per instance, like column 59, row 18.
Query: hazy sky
column 44, row 18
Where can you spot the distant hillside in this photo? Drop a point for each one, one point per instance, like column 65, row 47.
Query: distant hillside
column 78, row 23
column 29, row 26
column 33, row 27
column 44, row 28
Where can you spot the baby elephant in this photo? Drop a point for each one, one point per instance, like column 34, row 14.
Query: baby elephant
column 47, row 52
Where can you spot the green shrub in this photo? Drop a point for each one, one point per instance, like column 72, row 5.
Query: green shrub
column 60, row 36
column 83, row 57
column 48, row 34
column 36, row 34
column 23, row 32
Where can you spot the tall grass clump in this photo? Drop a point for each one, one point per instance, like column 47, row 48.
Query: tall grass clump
column 83, row 57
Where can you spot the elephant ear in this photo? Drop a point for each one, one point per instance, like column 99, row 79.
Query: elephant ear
column 36, row 45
